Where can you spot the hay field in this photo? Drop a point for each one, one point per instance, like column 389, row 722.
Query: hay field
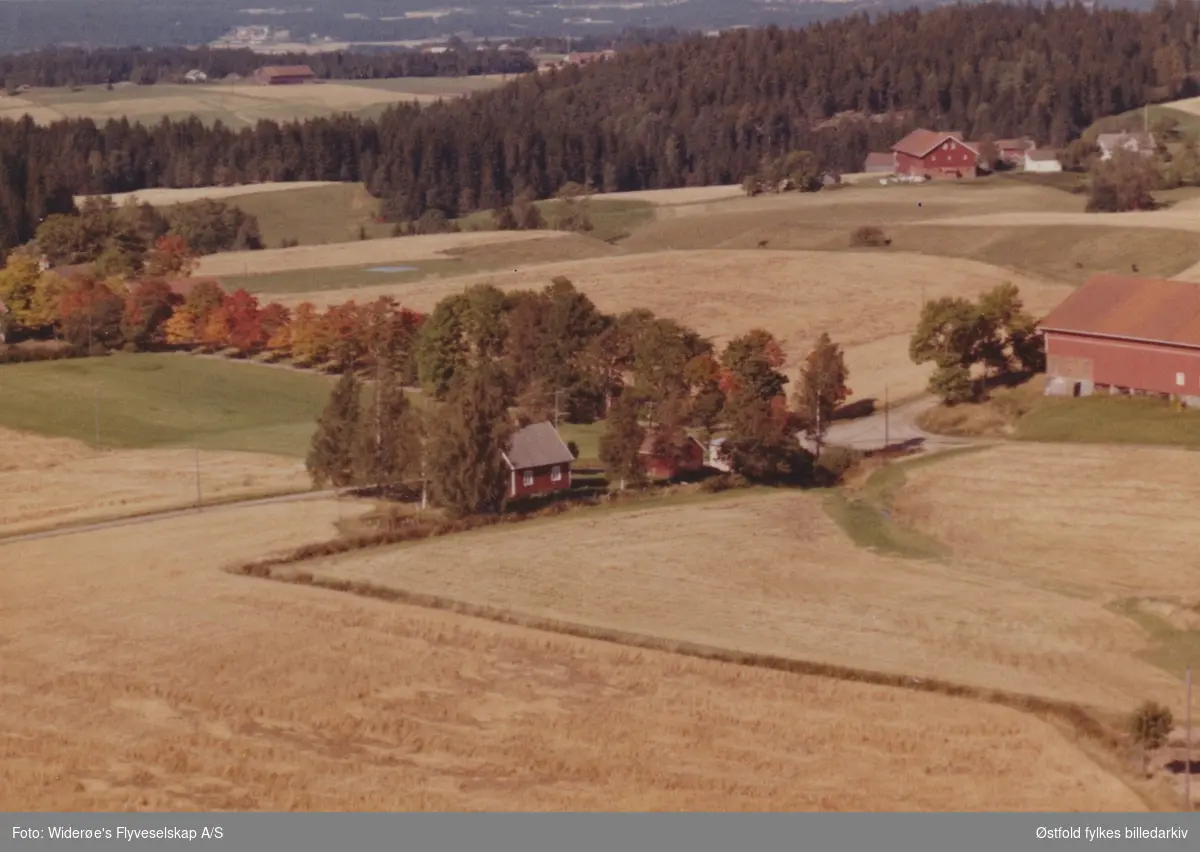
column 47, row 482
column 237, row 105
column 773, row 574
column 161, row 197
column 1096, row 522
column 430, row 247
column 1183, row 217
column 868, row 302
column 147, row 679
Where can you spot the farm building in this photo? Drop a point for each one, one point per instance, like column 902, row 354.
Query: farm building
column 1125, row 334
column 717, row 458
column 936, row 154
column 1012, row 151
column 538, row 461
column 1136, row 143
column 195, row 76
column 278, row 75
column 1042, row 160
column 879, row 163
column 659, row 463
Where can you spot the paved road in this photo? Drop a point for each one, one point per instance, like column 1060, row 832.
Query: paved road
column 899, row 426
column 162, row 516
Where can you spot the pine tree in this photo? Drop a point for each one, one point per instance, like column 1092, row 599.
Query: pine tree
column 387, row 447
column 331, row 456
column 466, row 467
column 621, row 441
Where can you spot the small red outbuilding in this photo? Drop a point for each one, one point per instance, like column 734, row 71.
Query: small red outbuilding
column 661, row 463
column 1125, row 334
column 538, row 461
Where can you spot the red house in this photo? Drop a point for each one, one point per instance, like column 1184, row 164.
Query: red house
column 538, row 461
column 1125, row 334
column 936, row 154
column 668, row 465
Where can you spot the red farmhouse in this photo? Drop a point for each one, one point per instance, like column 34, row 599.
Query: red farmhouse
column 1125, row 334
column 666, row 465
column 277, row 75
column 538, row 461
column 935, row 154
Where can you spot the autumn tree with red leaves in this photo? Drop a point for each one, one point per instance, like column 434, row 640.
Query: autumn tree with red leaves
column 90, row 316
column 171, row 258
column 148, row 306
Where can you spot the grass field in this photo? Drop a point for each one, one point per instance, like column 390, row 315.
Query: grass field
column 383, row 251
column 165, row 197
column 53, row 481
column 160, row 401
column 614, row 217
column 237, row 105
column 868, row 301
column 772, row 573
column 147, row 679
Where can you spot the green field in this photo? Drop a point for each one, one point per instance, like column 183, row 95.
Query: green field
column 316, row 215
column 612, row 219
column 344, row 277
column 165, row 400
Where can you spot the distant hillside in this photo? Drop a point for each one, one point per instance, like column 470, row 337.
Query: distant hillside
column 695, row 112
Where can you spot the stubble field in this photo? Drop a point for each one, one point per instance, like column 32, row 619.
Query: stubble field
column 145, row 678
column 868, row 302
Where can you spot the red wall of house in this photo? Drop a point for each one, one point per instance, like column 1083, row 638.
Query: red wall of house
column 542, row 481
column 949, row 160
column 661, row 467
column 1123, row 364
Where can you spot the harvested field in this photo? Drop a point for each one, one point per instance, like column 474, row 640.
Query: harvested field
column 146, row 679
column 429, row 247
column 51, row 481
column 773, row 574
column 1182, row 218
column 672, row 197
column 166, row 197
column 868, row 302
column 1095, row 522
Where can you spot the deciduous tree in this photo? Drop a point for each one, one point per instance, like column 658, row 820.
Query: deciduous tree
column 822, row 389
column 622, row 439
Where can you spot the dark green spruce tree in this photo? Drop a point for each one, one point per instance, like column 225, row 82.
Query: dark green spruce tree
column 466, row 468
column 331, row 456
column 388, row 445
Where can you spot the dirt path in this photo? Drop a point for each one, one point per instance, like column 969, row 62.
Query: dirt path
column 897, row 427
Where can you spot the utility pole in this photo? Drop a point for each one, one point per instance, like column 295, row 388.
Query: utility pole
column 556, row 411
column 886, row 417
column 198, row 498
column 96, row 414
column 1188, row 754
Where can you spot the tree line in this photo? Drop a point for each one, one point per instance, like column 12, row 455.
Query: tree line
column 694, row 112
column 489, row 362
column 68, row 66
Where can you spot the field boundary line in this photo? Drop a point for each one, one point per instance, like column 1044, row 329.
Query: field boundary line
column 1078, row 719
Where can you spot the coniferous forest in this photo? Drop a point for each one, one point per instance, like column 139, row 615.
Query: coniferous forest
column 698, row 111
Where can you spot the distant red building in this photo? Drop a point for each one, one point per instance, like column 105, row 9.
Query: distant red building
column 1012, row 151
column 539, row 462
column 936, row 155
column 278, row 75
column 1123, row 334
column 669, row 464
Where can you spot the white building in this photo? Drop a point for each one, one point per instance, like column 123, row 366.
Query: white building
column 196, row 76
column 1135, row 143
column 1042, row 160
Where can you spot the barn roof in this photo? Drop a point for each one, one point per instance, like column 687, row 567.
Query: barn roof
column 647, row 447
column 286, row 71
column 1150, row 310
column 920, row 142
column 537, row 445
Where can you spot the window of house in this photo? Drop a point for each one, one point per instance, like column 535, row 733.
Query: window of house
column 528, row 478
column 555, row 473
column 1179, row 379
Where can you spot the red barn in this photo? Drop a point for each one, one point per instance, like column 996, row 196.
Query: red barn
column 668, row 465
column 538, row 461
column 1125, row 334
column 277, row 75
column 936, row 154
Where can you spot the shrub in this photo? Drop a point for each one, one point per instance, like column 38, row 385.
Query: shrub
column 724, row 482
column 869, row 236
column 1150, row 725
column 835, row 462
column 574, row 448
column 22, row 355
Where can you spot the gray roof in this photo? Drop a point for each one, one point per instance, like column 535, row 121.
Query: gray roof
column 1044, row 155
column 537, row 445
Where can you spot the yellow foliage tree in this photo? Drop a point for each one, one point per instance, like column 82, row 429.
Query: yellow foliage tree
column 180, row 329
column 44, row 307
column 217, row 328
column 18, row 285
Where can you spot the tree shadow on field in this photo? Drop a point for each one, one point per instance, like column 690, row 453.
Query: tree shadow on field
column 854, row 410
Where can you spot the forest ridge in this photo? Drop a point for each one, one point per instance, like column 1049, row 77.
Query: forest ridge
column 696, row 112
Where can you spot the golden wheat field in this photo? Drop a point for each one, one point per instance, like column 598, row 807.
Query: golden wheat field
column 868, row 302
column 145, row 678
column 361, row 253
column 161, row 197
column 773, row 574
column 1095, row 522
column 48, row 482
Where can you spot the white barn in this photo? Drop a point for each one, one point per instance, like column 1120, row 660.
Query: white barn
column 1042, row 160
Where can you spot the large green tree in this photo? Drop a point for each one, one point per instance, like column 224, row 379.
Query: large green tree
column 331, row 455
column 621, row 441
column 466, row 467
column 822, row 388
column 388, row 446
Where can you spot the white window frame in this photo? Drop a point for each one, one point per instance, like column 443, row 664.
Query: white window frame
column 527, row 479
column 556, row 474
column 1180, row 379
